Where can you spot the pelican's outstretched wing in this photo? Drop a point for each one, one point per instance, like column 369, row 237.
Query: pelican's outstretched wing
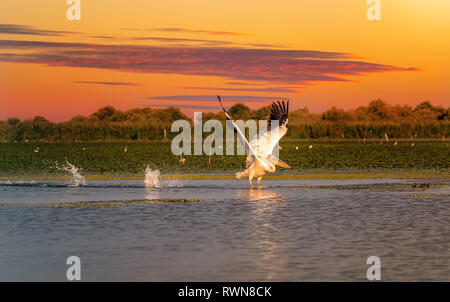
column 249, row 150
column 279, row 112
column 276, row 129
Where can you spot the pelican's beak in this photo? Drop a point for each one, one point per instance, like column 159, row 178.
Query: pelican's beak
column 282, row 164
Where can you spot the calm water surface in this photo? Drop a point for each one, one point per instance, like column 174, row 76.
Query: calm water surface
column 290, row 230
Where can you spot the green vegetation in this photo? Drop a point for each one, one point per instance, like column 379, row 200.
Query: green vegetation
column 112, row 159
column 377, row 120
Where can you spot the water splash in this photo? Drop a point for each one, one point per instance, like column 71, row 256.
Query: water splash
column 77, row 179
column 152, row 178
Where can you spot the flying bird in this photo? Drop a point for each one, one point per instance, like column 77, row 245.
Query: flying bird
column 260, row 159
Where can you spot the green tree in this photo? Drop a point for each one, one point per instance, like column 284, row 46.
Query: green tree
column 239, row 111
column 13, row 121
column 104, row 113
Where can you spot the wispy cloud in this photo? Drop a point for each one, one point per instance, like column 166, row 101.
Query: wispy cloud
column 13, row 29
column 199, row 31
column 107, row 83
column 208, row 107
column 244, row 83
column 213, row 98
column 105, row 37
column 299, row 67
column 182, row 40
column 255, row 89
column 17, row 29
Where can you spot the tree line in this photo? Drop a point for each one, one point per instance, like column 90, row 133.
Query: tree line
column 376, row 120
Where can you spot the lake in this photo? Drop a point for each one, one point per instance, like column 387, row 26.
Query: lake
column 220, row 230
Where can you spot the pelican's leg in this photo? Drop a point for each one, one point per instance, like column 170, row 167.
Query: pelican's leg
column 259, row 180
column 250, row 182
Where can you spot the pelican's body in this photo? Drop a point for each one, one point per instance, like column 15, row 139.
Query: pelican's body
column 257, row 170
column 260, row 159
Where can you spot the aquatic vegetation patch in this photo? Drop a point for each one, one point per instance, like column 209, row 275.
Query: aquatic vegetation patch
column 109, row 158
column 411, row 187
column 100, row 204
column 426, row 196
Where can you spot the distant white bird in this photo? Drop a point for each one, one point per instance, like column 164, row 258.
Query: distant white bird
column 260, row 159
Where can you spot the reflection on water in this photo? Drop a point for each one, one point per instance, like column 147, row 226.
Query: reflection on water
column 152, row 194
column 288, row 230
column 263, row 219
column 257, row 194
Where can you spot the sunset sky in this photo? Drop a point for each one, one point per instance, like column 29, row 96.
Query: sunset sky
column 181, row 53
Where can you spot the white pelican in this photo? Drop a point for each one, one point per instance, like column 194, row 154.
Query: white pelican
column 260, row 159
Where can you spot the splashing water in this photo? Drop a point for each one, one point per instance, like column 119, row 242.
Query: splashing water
column 77, row 179
column 152, row 178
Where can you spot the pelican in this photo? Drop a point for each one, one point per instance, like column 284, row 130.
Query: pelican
column 260, row 159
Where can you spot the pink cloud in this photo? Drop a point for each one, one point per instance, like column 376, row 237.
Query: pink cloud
column 298, row 67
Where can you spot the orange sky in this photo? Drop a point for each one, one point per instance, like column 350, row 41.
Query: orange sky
column 154, row 53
